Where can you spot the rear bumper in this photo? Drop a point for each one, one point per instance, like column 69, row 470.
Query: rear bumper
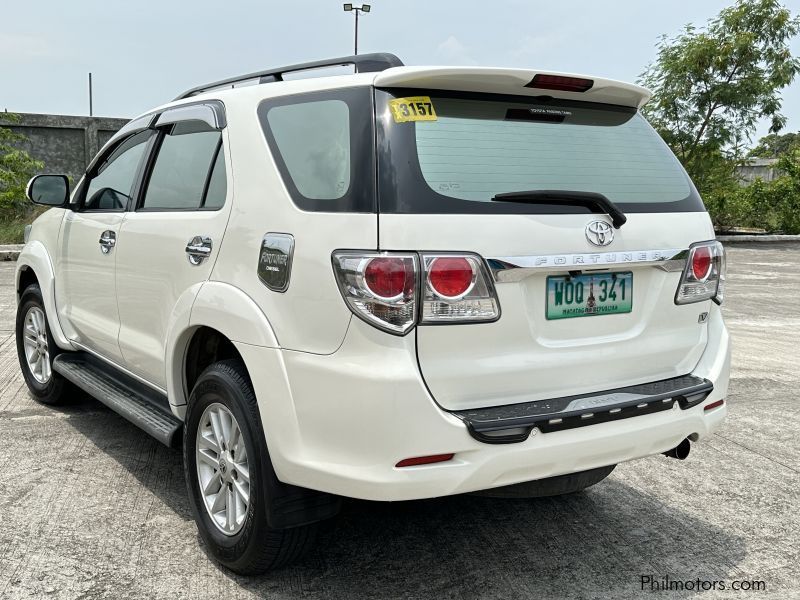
column 339, row 423
column 514, row 423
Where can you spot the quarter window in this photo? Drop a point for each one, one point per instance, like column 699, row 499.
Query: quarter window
column 183, row 167
column 313, row 139
column 112, row 185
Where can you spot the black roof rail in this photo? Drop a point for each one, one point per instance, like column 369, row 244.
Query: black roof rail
column 364, row 63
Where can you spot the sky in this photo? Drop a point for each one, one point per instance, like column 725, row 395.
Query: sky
column 143, row 53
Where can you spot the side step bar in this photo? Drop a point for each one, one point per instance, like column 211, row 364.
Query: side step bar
column 141, row 405
column 514, row 422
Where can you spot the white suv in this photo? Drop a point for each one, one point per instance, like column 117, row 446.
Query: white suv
column 401, row 283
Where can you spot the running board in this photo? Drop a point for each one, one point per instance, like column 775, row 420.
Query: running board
column 141, row 405
column 513, row 423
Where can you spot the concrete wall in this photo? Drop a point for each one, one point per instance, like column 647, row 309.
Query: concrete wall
column 757, row 168
column 65, row 144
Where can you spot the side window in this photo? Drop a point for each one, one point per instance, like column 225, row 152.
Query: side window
column 323, row 145
column 314, row 141
column 112, row 185
column 183, row 167
column 217, row 183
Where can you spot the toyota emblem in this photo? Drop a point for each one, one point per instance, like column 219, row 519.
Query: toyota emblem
column 599, row 233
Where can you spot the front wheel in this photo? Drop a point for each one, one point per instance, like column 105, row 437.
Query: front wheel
column 227, row 468
column 36, row 349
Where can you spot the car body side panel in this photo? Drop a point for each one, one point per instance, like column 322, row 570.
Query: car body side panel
column 38, row 255
column 310, row 315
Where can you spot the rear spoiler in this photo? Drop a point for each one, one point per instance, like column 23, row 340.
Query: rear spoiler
column 524, row 82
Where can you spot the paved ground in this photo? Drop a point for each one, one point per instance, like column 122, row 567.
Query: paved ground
column 92, row 508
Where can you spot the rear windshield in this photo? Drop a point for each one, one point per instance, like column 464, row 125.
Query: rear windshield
column 457, row 154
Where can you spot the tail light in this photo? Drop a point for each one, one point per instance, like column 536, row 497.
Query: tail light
column 457, row 289
column 379, row 287
column 390, row 291
column 704, row 275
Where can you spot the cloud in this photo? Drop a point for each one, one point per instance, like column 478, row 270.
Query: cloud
column 453, row 51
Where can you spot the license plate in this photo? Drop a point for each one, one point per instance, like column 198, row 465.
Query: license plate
column 589, row 295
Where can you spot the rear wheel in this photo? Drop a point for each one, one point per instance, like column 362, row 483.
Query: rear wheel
column 36, row 349
column 551, row 486
column 227, row 466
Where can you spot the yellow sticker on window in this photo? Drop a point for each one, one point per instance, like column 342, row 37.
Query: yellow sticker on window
column 413, row 108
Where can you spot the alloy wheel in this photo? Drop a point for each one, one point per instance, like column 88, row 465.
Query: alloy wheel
column 222, row 468
column 37, row 353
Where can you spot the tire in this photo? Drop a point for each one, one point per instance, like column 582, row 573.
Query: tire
column 53, row 389
column 254, row 547
column 551, row 486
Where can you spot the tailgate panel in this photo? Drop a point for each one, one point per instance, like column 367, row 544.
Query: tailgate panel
column 523, row 356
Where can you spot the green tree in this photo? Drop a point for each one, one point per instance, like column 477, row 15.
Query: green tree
column 16, row 168
column 775, row 145
column 772, row 205
column 713, row 85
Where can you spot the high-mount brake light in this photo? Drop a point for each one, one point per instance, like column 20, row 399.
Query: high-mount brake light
column 703, row 277
column 394, row 291
column 560, row 83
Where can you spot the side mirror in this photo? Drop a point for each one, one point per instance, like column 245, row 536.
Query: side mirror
column 49, row 190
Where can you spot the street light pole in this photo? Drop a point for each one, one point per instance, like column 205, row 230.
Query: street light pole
column 356, row 9
column 355, row 51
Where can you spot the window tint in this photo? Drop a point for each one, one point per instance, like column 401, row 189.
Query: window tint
column 481, row 145
column 182, row 167
column 112, row 186
column 478, row 149
column 313, row 139
column 218, row 184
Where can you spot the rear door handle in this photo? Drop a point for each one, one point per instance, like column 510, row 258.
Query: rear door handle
column 198, row 249
column 108, row 239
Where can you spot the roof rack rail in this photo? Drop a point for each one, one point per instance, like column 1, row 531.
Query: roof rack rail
column 364, row 63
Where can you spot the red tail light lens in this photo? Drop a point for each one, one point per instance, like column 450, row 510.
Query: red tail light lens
column 451, row 277
column 379, row 287
column 701, row 262
column 561, row 83
column 703, row 275
column 389, row 277
column 382, row 288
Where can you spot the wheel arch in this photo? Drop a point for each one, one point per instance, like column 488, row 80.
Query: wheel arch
column 34, row 266
column 206, row 324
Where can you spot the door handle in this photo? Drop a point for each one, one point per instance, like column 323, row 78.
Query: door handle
column 198, row 249
column 108, row 239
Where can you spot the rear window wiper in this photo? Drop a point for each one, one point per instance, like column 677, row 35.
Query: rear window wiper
column 588, row 199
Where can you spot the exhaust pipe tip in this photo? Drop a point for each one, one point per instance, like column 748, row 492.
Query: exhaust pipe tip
column 681, row 451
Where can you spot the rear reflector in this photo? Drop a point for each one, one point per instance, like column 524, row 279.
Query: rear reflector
column 424, row 460
column 716, row 404
column 560, row 83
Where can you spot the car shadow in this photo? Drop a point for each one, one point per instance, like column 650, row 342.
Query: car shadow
column 594, row 544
